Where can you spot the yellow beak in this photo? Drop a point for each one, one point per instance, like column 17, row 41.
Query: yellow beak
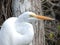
column 42, row 17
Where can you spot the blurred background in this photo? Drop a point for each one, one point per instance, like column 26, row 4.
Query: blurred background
column 50, row 8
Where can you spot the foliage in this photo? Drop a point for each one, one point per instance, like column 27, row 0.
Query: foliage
column 51, row 35
column 58, row 27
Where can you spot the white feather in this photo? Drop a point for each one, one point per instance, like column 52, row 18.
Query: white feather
column 17, row 31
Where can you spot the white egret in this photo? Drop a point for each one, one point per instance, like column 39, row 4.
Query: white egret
column 18, row 30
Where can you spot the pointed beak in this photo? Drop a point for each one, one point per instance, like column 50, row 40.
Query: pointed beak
column 42, row 17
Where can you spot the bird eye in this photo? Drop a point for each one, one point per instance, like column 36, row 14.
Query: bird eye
column 30, row 15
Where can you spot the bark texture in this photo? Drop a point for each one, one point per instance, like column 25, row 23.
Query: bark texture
column 20, row 6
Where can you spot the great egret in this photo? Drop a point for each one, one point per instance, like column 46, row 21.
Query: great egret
column 18, row 30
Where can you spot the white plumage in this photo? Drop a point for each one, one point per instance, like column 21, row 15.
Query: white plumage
column 17, row 30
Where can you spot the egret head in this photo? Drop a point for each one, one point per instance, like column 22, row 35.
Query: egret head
column 31, row 15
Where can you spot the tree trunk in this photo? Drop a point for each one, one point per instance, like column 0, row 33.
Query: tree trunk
column 20, row 6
